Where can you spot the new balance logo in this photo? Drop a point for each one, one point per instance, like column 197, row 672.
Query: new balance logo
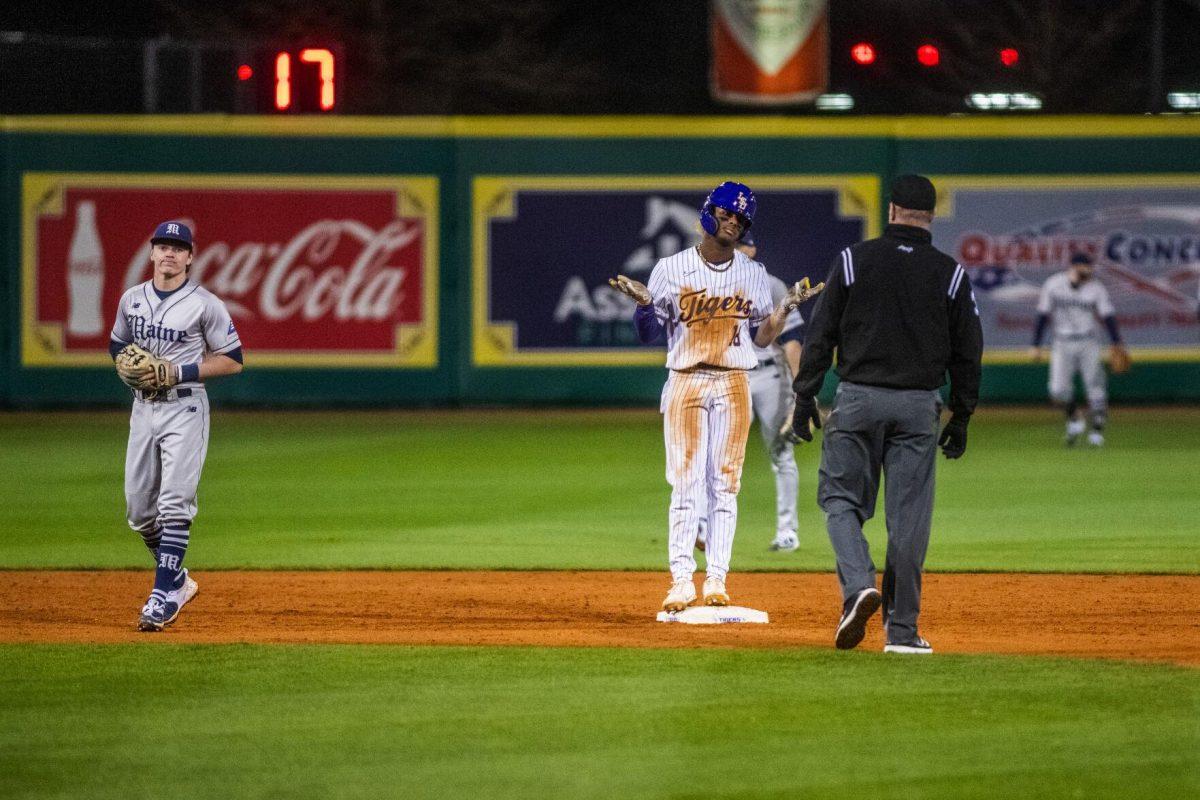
column 905, row 248
column 137, row 305
column 191, row 408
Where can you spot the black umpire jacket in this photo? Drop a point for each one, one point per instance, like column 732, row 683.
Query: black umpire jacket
column 901, row 314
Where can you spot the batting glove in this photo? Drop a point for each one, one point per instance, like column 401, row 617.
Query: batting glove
column 953, row 440
column 804, row 419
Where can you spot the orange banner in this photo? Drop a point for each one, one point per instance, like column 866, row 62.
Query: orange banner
column 769, row 52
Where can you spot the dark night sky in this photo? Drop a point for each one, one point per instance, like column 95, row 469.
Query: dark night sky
column 535, row 56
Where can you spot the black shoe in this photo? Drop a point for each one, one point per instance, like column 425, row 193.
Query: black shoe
column 858, row 610
column 917, row 646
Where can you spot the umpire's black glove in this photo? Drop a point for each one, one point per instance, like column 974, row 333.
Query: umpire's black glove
column 806, row 412
column 953, row 440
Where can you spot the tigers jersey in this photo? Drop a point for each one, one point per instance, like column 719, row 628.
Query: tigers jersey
column 1074, row 310
column 181, row 327
column 708, row 309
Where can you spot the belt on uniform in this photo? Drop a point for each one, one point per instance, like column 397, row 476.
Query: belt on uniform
column 161, row 395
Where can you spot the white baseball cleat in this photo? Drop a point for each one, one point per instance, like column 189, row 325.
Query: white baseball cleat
column 681, row 595
column 1075, row 429
column 785, row 542
column 714, row 592
column 914, row 647
column 1096, row 439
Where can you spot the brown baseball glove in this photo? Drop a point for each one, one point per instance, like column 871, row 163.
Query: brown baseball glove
column 1119, row 360
column 141, row 369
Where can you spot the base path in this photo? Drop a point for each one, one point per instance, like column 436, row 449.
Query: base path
column 1142, row 617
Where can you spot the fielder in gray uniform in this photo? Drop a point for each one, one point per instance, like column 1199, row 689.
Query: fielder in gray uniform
column 771, row 398
column 190, row 337
column 1071, row 304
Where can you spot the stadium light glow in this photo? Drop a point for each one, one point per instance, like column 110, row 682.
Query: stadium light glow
column 835, row 102
column 1009, row 56
column 928, row 55
column 1184, row 101
column 1004, row 101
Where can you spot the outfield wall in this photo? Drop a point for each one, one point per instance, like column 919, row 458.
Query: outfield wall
column 441, row 261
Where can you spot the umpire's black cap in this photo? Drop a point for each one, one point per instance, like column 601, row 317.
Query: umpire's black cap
column 914, row 192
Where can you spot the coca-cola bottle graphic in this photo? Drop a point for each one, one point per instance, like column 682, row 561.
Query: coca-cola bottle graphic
column 85, row 274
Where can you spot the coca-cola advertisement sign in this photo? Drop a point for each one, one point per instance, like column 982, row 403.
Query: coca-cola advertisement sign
column 316, row 271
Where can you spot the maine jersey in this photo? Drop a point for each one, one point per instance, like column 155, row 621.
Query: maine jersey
column 1074, row 311
column 708, row 310
column 779, row 291
column 182, row 328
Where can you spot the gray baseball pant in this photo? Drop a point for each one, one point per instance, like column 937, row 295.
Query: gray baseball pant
column 771, row 395
column 894, row 430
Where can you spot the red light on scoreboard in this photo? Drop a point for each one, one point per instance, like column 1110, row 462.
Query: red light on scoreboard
column 1009, row 56
column 863, row 54
column 928, row 55
column 245, row 72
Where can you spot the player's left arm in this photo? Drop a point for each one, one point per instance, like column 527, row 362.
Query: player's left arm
column 224, row 356
column 777, row 321
column 216, row 365
column 1118, row 356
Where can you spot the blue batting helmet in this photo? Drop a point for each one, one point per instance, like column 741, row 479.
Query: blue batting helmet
column 731, row 196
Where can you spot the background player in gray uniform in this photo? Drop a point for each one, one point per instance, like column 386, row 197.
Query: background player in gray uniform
column 188, row 328
column 1071, row 303
column 771, row 398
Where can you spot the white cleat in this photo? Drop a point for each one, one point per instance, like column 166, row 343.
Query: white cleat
column 1075, row 429
column 1096, row 439
column 785, row 542
column 914, row 647
column 714, row 592
column 681, row 595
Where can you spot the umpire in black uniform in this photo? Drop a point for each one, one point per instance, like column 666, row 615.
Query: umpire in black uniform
column 900, row 314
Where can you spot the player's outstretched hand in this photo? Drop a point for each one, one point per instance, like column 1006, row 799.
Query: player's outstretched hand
column 800, row 293
column 953, row 440
column 804, row 419
column 631, row 288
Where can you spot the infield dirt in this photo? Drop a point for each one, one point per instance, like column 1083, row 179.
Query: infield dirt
column 1142, row 617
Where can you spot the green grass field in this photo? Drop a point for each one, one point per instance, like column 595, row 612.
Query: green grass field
column 582, row 491
column 243, row 721
column 578, row 490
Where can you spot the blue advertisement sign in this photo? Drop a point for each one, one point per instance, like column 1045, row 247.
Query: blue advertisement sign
column 544, row 249
column 1011, row 233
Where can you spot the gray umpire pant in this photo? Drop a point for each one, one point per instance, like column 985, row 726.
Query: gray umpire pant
column 872, row 428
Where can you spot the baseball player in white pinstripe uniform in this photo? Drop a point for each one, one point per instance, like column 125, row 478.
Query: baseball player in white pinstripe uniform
column 771, row 399
column 714, row 304
column 182, row 335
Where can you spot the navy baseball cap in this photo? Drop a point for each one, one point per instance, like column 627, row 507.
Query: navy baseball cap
column 914, row 192
column 172, row 233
